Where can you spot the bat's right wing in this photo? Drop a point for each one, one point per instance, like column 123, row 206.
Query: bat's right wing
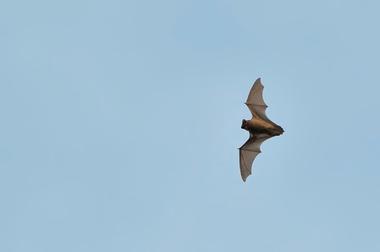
column 248, row 152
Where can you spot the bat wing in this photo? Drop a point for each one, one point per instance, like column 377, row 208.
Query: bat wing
column 255, row 101
column 248, row 152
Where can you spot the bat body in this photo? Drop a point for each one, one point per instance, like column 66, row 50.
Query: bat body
column 260, row 128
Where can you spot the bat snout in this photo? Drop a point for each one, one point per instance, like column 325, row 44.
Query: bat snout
column 279, row 130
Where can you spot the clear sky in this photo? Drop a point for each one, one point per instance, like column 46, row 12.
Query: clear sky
column 120, row 123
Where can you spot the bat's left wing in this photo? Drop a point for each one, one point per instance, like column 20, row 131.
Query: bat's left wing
column 248, row 152
column 255, row 101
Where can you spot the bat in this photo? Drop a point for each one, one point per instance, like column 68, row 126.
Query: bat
column 260, row 128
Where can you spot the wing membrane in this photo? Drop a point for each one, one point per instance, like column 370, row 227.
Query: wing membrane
column 248, row 152
column 255, row 100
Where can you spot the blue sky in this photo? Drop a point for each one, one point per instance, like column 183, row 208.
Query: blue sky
column 120, row 123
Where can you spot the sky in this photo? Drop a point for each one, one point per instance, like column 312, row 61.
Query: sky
column 120, row 126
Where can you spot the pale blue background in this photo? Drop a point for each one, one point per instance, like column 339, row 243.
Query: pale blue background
column 120, row 123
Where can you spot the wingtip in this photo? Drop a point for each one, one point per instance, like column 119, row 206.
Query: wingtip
column 245, row 178
column 259, row 82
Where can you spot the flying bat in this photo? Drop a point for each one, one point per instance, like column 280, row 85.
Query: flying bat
column 260, row 128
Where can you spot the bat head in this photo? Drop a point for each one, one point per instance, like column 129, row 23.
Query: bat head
column 278, row 130
column 244, row 124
